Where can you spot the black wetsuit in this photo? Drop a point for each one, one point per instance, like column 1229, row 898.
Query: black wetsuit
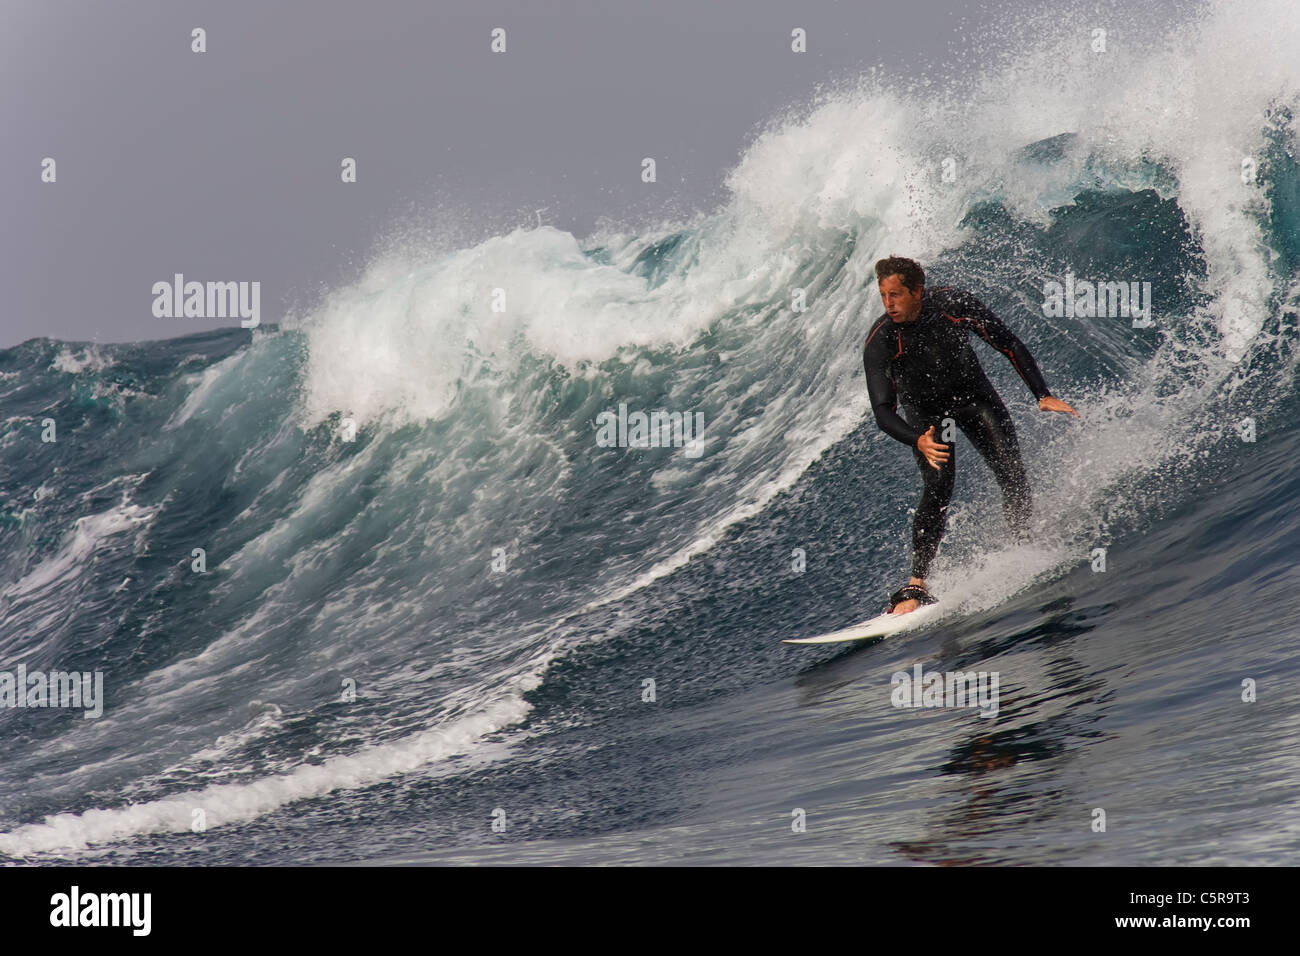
column 930, row 365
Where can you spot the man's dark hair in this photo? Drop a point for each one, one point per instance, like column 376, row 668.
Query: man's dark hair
column 909, row 271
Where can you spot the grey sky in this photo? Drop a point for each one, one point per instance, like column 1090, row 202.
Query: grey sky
column 225, row 165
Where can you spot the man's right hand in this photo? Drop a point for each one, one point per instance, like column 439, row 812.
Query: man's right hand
column 936, row 453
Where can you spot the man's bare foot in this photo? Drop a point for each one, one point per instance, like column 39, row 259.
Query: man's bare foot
column 911, row 604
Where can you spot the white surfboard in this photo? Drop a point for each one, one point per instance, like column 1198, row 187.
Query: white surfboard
column 879, row 626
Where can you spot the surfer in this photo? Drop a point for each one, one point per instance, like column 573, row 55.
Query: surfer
column 919, row 353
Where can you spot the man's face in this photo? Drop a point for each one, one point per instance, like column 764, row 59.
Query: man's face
column 901, row 303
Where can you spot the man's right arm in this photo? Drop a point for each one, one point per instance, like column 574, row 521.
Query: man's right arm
column 884, row 397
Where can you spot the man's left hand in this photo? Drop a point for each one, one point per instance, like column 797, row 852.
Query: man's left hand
column 1050, row 403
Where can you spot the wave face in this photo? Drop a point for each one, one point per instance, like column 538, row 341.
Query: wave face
column 431, row 596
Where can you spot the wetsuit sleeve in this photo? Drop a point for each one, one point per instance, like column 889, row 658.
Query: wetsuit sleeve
column 884, row 397
column 970, row 311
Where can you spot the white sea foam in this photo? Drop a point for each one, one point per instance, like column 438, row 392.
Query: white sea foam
column 227, row 804
column 89, row 358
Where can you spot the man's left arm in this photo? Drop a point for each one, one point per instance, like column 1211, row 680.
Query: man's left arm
column 970, row 310
column 995, row 332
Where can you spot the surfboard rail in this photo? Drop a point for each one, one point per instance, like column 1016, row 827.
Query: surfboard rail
column 881, row 625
